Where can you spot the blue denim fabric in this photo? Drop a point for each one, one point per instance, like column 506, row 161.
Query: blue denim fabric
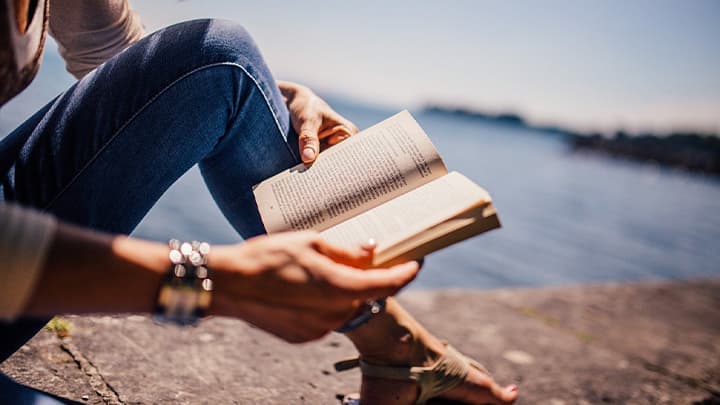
column 103, row 152
column 14, row 393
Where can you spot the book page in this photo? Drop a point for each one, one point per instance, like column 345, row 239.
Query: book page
column 456, row 229
column 411, row 213
column 362, row 172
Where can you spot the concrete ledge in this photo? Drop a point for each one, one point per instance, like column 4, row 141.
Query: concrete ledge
column 651, row 343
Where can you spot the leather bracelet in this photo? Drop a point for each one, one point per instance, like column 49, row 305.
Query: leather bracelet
column 371, row 308
column 186, row 291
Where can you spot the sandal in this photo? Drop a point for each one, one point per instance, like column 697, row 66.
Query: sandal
column 447, row 373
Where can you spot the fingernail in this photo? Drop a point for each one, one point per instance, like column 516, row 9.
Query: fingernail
column 511, row 388
column 308, row 154
column 369, row 244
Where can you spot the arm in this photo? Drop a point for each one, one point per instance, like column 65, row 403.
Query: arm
column 89, row 32
column 88, row 272
column 293, row 285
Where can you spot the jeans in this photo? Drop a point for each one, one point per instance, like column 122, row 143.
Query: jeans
column 102, row 153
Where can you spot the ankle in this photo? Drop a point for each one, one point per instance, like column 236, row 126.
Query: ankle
column 395, row 338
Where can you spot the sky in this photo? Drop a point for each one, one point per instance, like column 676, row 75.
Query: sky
column 641, row 64
column 588, row 65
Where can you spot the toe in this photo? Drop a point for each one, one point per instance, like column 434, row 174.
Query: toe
column 505, row 395
column 481, row 388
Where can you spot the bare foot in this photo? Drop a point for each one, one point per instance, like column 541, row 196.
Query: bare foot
column 478, row 388
column 396, row 339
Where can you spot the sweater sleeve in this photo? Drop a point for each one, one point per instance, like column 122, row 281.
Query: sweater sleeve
column 89, row 32
column 25, row 238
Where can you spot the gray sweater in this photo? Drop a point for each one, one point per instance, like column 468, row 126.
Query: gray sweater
column 88, row 33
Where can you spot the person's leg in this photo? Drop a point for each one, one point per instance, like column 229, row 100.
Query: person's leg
column 102, row 153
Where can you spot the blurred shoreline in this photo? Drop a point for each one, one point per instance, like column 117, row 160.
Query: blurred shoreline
column 690, row 150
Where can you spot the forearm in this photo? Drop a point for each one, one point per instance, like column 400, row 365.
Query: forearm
column 86, row 271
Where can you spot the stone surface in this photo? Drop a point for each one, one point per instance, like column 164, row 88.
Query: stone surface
column 652, row 343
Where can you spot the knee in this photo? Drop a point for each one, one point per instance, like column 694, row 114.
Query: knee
column 228, row 41
column 197, row 43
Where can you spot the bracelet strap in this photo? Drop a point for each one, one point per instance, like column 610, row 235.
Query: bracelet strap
column 186, row 291
column 371, row 308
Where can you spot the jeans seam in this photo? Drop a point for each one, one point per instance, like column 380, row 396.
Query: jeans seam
column 152, row 100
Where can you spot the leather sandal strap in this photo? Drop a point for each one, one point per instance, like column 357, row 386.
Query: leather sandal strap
column 347, row 364
column 447, row 373
column 394, row 373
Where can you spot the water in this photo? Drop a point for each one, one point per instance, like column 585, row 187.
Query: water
column 567, row 218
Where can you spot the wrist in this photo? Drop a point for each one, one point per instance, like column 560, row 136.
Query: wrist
column 148, row 256
column 144, row 264
column 231, row 277
column 186, row 292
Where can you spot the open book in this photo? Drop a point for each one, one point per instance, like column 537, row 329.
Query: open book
column 387, row 183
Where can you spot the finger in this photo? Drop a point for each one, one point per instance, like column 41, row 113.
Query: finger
column 336, row 139
column 339, row 129
column 369, row 244
column 334, row 116
column 332, row 140
column 359, row 257
column 353, row 128
column 378, row 283
column 309, row 143
column 373, row 283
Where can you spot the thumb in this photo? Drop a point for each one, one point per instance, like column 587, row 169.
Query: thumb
column 376, row 283
column 309, row 144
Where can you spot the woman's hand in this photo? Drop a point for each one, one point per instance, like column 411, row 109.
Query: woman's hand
column 297, row 286
column 318, row 126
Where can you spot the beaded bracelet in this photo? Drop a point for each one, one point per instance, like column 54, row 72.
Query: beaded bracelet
column 186, row 291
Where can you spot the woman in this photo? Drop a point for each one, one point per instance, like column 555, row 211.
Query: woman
column 95, row 159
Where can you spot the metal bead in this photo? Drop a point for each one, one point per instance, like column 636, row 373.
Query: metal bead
column 201, row 272
column 207, row 284
column 195, row 244
column 186, row 248
column 195, row 258
column 174, row 244
column 180, row 270
column 176, row 257
column 204, row 248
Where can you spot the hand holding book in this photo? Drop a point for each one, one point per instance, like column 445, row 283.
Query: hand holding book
column 388, row 183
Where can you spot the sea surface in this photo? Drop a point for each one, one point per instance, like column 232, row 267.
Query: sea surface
column 567, row 217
